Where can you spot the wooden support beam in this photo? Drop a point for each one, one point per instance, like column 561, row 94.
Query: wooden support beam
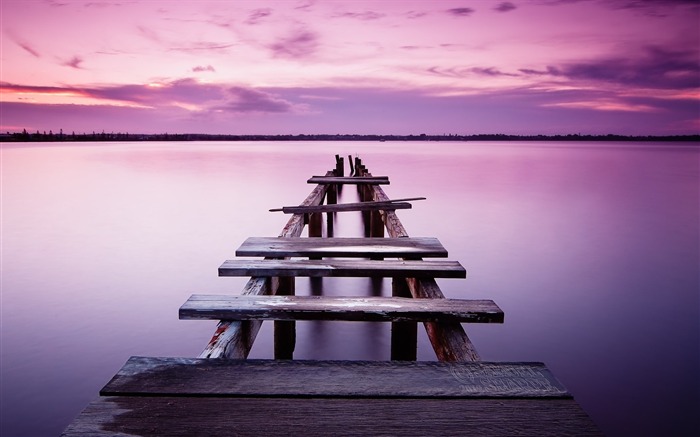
column 344, row 268
column 234, row 340
column 339, row 247
column 449, row 340
column 360, row 309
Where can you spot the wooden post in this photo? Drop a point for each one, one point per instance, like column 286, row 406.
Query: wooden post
column 316, row 224
column 332, row 194
column 339, row 166
column 352, row 167
column 404, row 335
column 285, row 331
column 329, row 224
column 376, row 224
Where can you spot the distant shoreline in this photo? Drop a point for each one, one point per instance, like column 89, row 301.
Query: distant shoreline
column 92, row 137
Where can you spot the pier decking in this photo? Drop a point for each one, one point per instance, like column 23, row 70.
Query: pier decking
column 221, row 392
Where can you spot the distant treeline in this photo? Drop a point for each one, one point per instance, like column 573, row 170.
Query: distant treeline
column 60, row 136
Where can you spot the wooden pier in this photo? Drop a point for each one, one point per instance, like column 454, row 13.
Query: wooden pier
column 221, row 392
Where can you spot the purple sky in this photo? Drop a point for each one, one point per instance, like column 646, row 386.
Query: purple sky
column 384, row 67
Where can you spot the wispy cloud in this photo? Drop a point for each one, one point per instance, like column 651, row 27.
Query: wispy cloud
column 202, row 46
column 415, row 14
column 185, row 93
column 21, row 42
column 469, row 71
column 188, row 46
column 305, row 5
column 246, row 100
column 363, row 16
column 203, row 69
column 258, row 15
column 655, row 68
column 300, row 43
column 73, row 62
column 460, row 12
column 505, row 7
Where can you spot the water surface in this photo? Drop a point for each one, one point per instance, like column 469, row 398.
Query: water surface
column 591, row 249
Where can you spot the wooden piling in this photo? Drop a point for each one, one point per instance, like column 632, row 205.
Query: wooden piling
column 285, row 331
column 404, row 335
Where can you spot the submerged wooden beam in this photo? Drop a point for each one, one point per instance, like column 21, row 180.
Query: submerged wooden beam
column 376, row 180
column 367, row 309
column 343, row 268
column 342, row 247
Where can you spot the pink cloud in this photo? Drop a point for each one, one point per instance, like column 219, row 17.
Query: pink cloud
column 460, row 12
column 21, row 42
column 74, row 62
column 505, row 7
column 298, row 44
column 363, row 16
column 187, row 93
column 202, row 69
column 257, row 15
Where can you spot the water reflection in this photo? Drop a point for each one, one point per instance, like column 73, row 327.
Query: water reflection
column 590, row 249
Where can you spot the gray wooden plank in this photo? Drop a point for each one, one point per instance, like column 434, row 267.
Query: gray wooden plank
column 326, row 180
column 368, row 309
column 294, row 378
column 344, row 207
column 344, row 268
column 211, row 416
column 342, row 247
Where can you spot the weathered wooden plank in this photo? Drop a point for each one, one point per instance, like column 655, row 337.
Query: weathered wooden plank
column 186, row 416
column 197, row 377
column 326, row 180
column 343, row 267
column 369, row 309
column 342, row 247
column 343, row 207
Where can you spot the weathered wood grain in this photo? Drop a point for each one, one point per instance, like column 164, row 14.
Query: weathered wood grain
column 142, row 376
column 211, row 416
column 368, row 309
column 342, row 267
column 342, row 247
column 381, row 180
column 343, row 207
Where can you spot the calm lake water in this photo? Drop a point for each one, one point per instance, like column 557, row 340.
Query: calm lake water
column 591, row 249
